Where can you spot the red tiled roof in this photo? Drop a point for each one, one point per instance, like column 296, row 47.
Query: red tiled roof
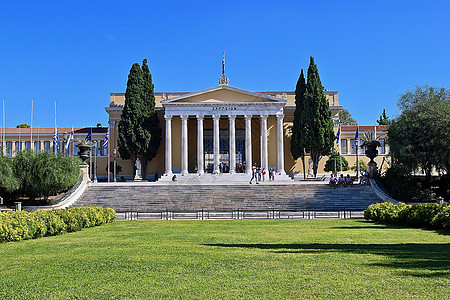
column 364, row 128
column 50, row 130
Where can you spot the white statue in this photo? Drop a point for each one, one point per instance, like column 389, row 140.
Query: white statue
column 138, row 168
column 310, row 169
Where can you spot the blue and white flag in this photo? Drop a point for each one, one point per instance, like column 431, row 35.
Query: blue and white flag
column 56, row 139
column 89, row 136
column 338, row 136
column 105, row 142
column 357, row 133
column 69, row 139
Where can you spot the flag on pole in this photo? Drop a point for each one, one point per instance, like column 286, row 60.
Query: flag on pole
column 105, row 142
column 89, row 136
column 357, row 133
column 69, row 139
column 56, row 139
column 223, row 63
column 338, row 136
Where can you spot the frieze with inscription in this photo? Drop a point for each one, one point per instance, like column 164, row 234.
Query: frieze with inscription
column 223, row 108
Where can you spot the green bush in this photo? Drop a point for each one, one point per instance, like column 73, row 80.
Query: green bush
column 16, row 226
column 35, row 175
column 329, row 164
column 415, row 215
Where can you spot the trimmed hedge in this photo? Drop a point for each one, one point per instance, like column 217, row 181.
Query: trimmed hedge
column 16, row 226
column 412, row 215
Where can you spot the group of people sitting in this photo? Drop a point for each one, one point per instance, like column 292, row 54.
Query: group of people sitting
column 347, row 180
column 341, row 180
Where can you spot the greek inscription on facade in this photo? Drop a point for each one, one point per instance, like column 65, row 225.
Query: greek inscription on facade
column 223, row 108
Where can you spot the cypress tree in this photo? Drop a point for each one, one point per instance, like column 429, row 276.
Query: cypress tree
column 139, row 130
column 319, row 134
column 152, row 121
column 298, row 127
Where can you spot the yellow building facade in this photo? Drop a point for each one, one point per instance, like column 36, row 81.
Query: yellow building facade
column 217, row 130
column 212, row 131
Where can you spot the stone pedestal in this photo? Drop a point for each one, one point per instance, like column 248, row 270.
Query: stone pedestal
column 84, row 168
column 372, row 168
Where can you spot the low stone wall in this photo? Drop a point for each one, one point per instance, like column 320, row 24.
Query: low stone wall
column 380, row 193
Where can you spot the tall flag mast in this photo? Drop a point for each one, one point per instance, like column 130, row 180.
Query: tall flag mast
column 55, row 136
column 31, row 127
column 357, row 151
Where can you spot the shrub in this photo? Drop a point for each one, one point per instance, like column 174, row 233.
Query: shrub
column 16, row 226
column 329, row 164
column 416, row 215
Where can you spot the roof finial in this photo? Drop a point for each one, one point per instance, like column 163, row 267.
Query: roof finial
column 223, row 80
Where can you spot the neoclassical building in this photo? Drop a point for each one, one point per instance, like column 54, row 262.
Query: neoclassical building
column 212, row 131
column 218, row 129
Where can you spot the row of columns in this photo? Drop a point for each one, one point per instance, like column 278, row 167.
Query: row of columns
column 216, row 145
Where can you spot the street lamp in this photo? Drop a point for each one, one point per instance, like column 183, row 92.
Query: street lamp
column 95, row 161
column 114, row 174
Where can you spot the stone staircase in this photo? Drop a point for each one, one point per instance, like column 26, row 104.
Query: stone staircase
column 293, row 197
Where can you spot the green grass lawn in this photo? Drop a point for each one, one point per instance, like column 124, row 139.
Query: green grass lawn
column 230, row 259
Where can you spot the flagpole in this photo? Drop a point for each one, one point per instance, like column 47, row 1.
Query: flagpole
column 54, row 142
column 90, row 156
column 39, row 141
column 109, row 156
column 357, row 153
column 1, row 135
column 31, row 127
column 4, row 126
column 375, row 137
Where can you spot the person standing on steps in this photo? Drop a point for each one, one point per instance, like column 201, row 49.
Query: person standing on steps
column 263, row 172
column 254, row 174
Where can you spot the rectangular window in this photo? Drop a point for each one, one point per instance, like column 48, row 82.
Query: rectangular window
column 9, row 148
column 47, row 146
column 27, row 145
column 37, row 147
column 353, row 146
column 382, row 149
column 18, row 146
column 103, row 150
column 343, row 146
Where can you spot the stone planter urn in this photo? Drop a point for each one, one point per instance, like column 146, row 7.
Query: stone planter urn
column 83, row 152
column 371, row 152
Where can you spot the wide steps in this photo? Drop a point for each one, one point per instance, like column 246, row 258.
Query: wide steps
column 293, row 197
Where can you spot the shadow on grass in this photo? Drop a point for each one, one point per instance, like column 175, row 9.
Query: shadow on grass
column 423, row 260
column 373, row 225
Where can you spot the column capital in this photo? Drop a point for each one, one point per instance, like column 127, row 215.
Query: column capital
column 168, row 117
column 232, row 117
column 280, row 117
column 184, row 117
column 263, row 117
column 216, row 117
column 200, row 117
column 248, row 117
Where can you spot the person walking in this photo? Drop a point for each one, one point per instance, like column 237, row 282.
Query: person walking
column 254, row 174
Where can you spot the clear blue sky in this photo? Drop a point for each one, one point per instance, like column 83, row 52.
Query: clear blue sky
column 77, row 52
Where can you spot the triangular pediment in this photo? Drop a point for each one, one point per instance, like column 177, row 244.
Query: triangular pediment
column 223, row 94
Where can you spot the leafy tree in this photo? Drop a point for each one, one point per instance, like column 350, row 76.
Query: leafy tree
column 23, row 126
column 44, row 174
column 319, row 134
column 362, row 166
column 9, row 184
column 346, row 118
column 384, row 120
column 137, row 133
column 420, row 137
column 299, row 128
column 329, row 164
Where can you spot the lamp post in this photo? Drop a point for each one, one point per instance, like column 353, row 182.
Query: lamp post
column 95, row 161
column 114, row 175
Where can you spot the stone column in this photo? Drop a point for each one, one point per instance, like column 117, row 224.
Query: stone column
column 264, row 158
column 13, row 148
column 280, row 144
column 200, row 151
column 168, row 145
column 248, row 143
column 216, row 119
column 232, row 148
column 184, row 145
